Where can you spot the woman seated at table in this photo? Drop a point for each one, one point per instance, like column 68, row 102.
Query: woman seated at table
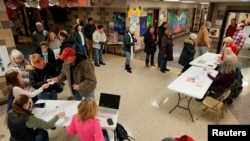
column 14, row 87
column 223, row 80
column 229, row 43
column 85, row 124
column 24, row 126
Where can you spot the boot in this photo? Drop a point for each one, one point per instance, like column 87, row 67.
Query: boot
column 96, row 64
column 102, row 63
column 128, row 69
column 147, row 63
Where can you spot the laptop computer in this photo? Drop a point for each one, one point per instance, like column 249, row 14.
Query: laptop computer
column 108, row 104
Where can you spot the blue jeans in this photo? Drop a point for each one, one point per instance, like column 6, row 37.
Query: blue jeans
column 163, row 63
column 47, row 96
column 128, row 56
column 98, row 55
column 42, row 135
column 84, row 50
column 159, row 60
column 77, row 95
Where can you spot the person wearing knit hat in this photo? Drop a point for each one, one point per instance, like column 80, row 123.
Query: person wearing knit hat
column 203, row 41
column 79, row 72
column 89, row 29
column 129, row 41
column 188, row 52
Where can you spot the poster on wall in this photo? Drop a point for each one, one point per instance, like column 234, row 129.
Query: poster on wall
column 4, row 60
column 119, row 22
column 177, row 19
column 214, row 32
column 143, row 25
column 134, row 15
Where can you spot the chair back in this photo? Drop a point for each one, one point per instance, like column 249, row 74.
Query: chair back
column 225, row 95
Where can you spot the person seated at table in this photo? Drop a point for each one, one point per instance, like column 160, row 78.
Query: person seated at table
column 24, row 126
column 188, row 52
column 230, row 55
column 229, row 43
column 14, row 87
column 223, row 80
column 18, row 61
column 85, row 123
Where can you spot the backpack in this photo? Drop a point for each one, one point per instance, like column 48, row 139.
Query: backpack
column 121, row 134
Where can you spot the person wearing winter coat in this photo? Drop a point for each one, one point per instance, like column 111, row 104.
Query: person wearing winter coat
column 129, row 42
column 150, row 41
column 166, row 50
column 188, row 52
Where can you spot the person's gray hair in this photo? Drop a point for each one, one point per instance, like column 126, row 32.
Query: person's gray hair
column 38, row 24
column 227, row 66
column 14, row 54
column 229, row 55
column 208, row 24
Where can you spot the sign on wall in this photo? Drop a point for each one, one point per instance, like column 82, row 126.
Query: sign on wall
column 4, row 60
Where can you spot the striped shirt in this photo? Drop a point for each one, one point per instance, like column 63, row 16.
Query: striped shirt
column 239, row 38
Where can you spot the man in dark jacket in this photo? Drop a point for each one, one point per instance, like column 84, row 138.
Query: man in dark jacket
column 161, row 31
column 89, row 29
column 79, row 72
column 40, row 74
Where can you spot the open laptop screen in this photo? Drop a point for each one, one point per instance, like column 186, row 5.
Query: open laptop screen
column 109, row 101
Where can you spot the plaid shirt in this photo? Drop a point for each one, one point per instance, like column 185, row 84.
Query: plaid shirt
column 239, row 38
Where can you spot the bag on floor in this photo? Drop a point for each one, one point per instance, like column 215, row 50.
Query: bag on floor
column 121, row 133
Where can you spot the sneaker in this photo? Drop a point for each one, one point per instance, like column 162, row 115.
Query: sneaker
column 152, row 64
column 102, row 63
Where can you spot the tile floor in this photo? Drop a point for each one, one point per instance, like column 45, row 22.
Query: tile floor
column 146, row 101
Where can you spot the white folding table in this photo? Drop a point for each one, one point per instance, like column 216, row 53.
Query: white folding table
column 194, row 82
column 207, row 60
column 52, row 107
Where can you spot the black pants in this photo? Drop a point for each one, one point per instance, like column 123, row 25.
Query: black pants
column 151, row 56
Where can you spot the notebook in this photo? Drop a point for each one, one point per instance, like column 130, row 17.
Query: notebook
column 109, row 105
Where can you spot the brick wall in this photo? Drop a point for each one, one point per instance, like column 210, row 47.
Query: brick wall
column 6, row 38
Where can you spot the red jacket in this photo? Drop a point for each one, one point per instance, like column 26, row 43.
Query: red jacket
column 234, row 48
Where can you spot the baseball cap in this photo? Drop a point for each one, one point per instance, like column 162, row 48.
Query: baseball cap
column 66, row 53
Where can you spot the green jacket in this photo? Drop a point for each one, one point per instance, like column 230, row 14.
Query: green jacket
column 127, row 42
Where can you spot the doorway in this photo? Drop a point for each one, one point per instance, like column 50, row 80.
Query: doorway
column 241, row 17
column 152, row 17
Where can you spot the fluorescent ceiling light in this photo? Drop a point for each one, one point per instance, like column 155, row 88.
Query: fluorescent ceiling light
column 204, row 3
column 185, row 1
column 171, row 0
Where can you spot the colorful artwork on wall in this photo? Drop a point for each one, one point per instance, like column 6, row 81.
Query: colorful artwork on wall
column 119, row 19
column 134, row 14
column 143, row 25
column 177, row 19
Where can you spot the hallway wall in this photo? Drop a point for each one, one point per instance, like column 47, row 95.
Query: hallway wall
column 6, row 38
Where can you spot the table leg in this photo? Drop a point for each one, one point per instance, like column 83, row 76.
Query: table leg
column 185, row 108
column 177, row 105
